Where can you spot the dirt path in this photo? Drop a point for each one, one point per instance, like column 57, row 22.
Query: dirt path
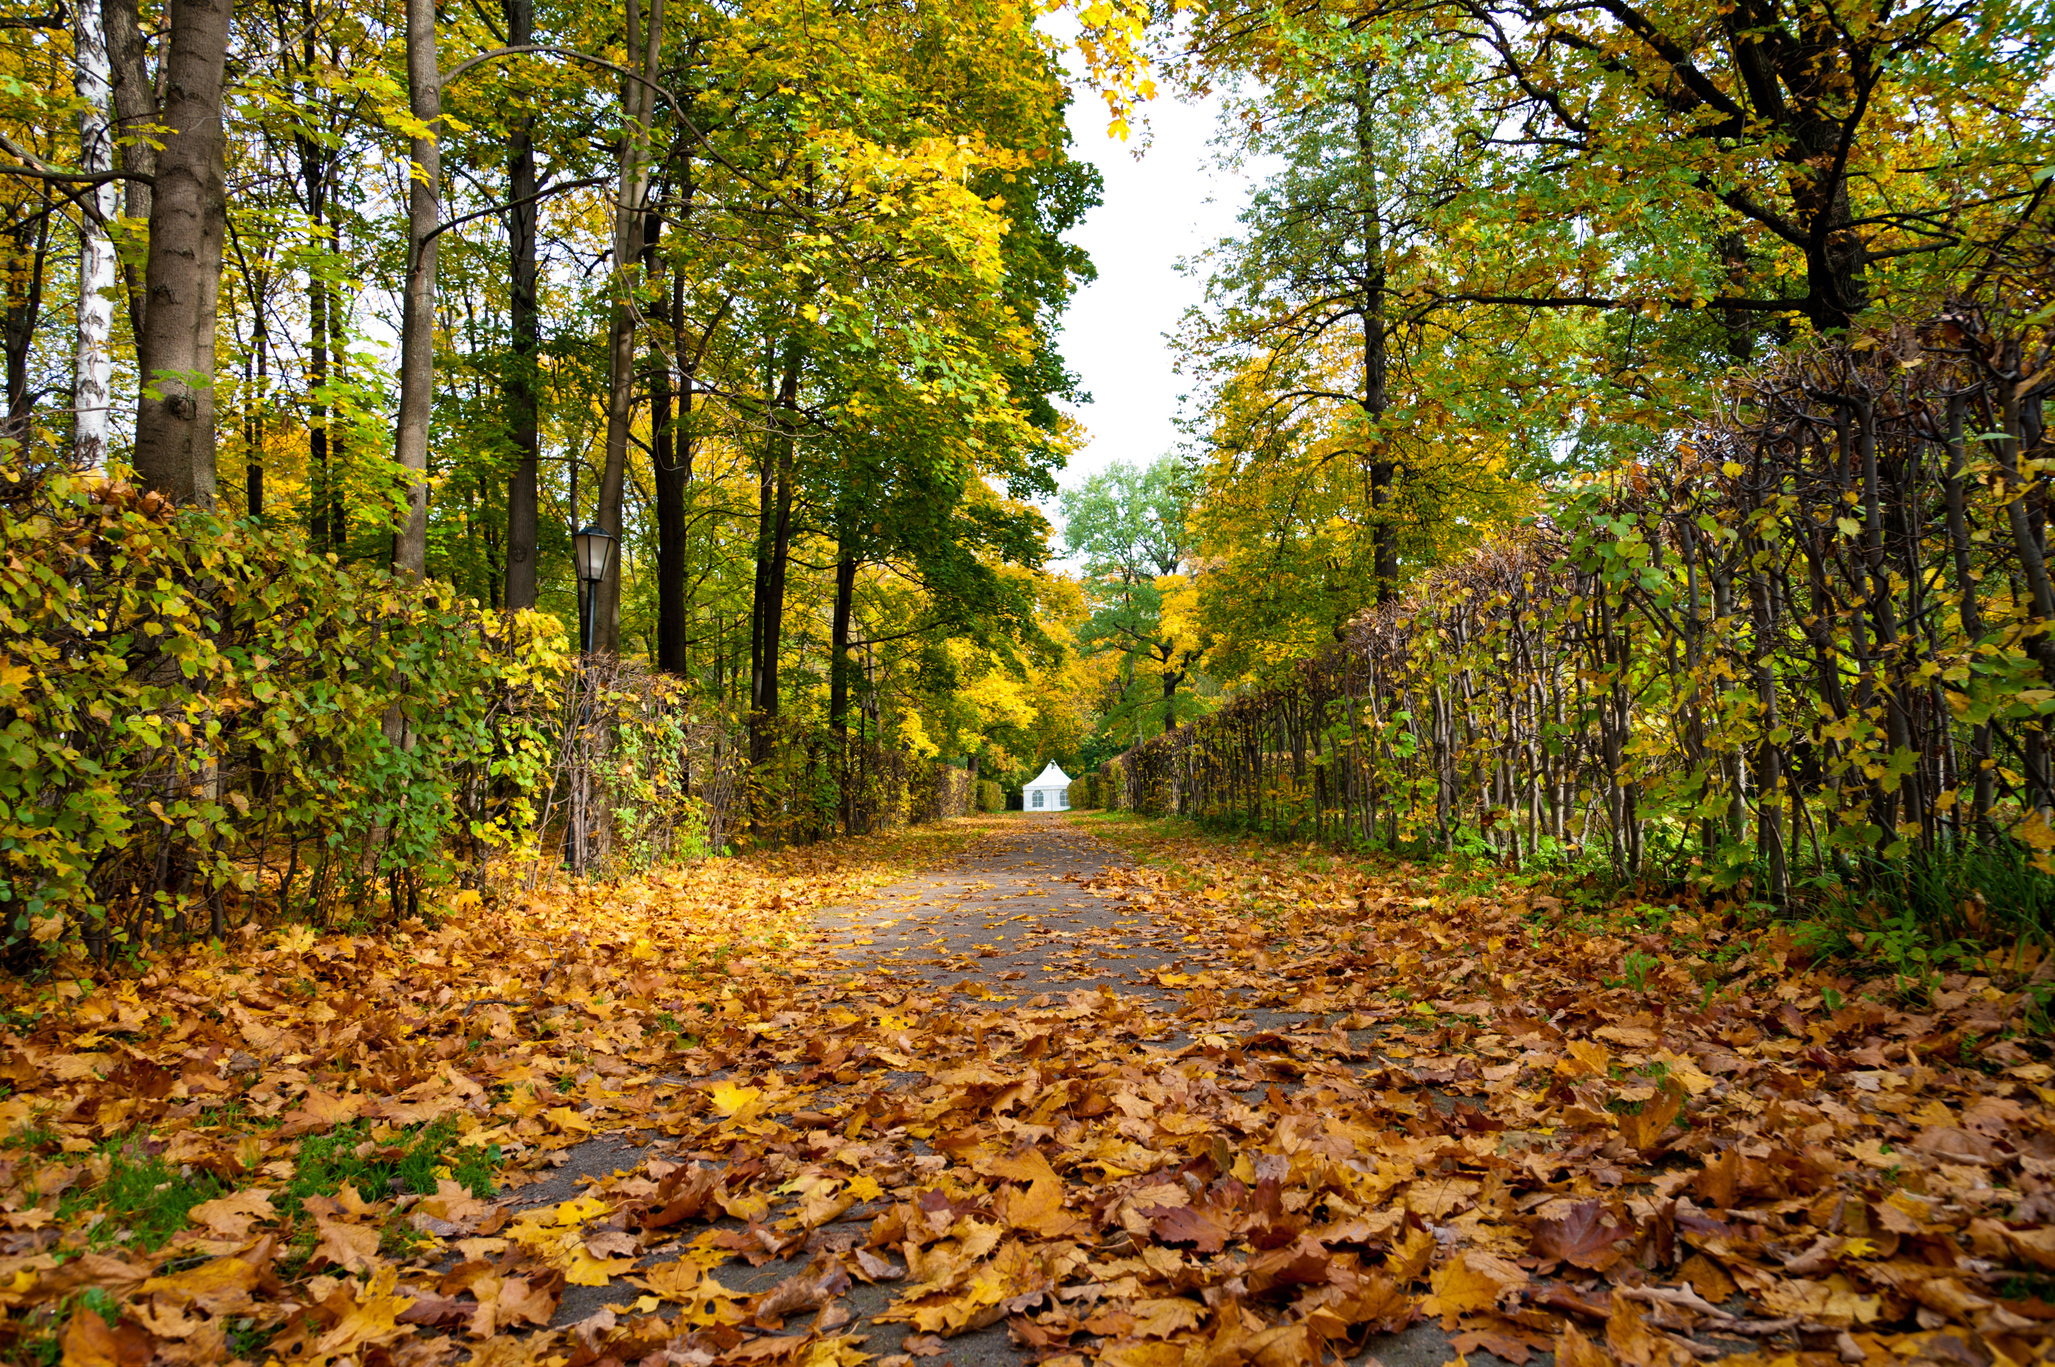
column 1023, row 932
column 1015, row 920
column 1017, row 917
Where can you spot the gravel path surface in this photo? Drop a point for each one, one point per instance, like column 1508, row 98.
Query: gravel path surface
column 1016, row 918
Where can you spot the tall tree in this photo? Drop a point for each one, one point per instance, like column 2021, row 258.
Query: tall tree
column 134, row 97
column 417, row 316
column 1130, row 528
column 645, row 42
column 92, row 371
column 175, row 437
column 524, row 320
column 1808, row 135
column 774, row 495
column 1357, row 427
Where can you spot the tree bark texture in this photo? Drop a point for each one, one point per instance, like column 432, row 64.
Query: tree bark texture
column 839, row 670
column 417, row 320
column 670, row 470
column 92, row 364
column 1370, row 309
column 135, row 111
column 523, row 403
column 774, row 548
column 182, row 277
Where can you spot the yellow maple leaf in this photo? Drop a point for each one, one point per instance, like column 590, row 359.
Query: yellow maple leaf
column 1469, row 1283
column 568, row 1120
column 738, row 1103
column 581, row 1268
column 367, row 1319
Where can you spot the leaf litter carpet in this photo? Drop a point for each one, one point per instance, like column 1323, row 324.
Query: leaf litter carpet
column 1236, row 1104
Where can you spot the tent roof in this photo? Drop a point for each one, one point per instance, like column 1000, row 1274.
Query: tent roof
column 1051, row 777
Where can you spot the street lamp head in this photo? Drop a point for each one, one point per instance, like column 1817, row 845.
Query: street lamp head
column 592, row 550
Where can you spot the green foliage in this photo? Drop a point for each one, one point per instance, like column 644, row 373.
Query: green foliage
column 1349, row 444
column 991, row 797
column 1112, row 784
column 1131, row 529
column 200, row 713
column 1128, row 525
column 662, row 770
column 1701, row 206
column 142, row 1199
column 382, row 1164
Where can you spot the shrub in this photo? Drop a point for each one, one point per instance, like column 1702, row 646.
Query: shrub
column 199, row 716
column 991, row 797
column 1109, row 784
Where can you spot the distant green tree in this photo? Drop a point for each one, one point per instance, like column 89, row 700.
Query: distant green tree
column 1130, row 529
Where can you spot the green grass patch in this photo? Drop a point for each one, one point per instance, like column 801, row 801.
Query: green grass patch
column 411, row 1162
column 142, row 1201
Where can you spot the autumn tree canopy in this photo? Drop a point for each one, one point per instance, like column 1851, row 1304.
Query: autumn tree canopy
column 386, row 304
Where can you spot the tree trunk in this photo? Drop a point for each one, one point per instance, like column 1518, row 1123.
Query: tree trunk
column 135, row 108
column 838, row 678
column 320, row 469
column 1835, row 254
column 1376, row 360
column 338, row 432
column 1971, row 615
column 417, row 321
column 253, row 417
column 675, row 446
column 25, row 265
column 630, row 211
column 766, row 501
column 523, row 406
column 670, row 471
column 92, row 362
column 774, row 548
column 1739, row 324
column 188, row 218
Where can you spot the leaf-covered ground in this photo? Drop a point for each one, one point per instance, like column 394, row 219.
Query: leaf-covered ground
column 1231, row 1103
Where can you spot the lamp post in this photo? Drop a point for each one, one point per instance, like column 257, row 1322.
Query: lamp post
column 592, row 551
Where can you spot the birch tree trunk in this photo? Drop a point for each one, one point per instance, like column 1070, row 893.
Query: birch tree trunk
column 92, row 360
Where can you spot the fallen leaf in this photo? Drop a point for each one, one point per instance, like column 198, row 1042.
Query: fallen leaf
column 232, row 1215
column 90, row 1341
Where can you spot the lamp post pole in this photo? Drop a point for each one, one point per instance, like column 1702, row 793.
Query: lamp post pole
column 592, row 552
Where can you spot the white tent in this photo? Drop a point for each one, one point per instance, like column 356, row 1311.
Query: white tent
column 1050, row 792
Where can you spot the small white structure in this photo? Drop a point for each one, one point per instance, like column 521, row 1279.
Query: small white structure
column 1050, row 792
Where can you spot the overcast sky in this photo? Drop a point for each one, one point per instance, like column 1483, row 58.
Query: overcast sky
column 1169, row 203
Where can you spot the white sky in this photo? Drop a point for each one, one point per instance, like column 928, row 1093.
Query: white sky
column 1170, row 203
